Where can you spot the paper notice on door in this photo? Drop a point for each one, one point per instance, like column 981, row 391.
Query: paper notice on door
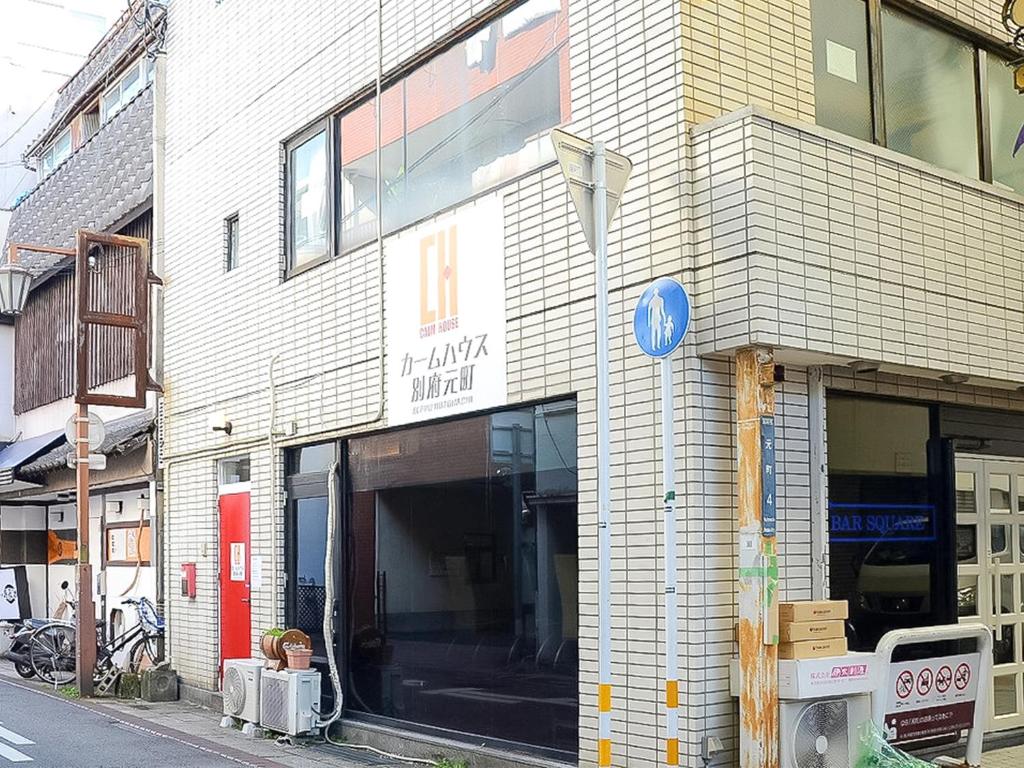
column 237, row 561
column 841, row 61
column 256, row 571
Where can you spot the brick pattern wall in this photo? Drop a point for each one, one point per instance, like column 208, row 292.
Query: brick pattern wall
column 817, row 243
column 737, row 53
column 223, row 330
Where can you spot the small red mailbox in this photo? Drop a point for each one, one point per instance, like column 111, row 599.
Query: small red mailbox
column 188, row 580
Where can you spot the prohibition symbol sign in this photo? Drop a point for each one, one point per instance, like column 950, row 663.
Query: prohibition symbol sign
column 943, row 679
column 963, row 677
column 924, row 681
column 904, row 684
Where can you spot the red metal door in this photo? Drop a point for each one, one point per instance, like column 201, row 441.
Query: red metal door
column 235, row 608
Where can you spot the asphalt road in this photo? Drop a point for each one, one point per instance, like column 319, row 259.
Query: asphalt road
column 37, row 729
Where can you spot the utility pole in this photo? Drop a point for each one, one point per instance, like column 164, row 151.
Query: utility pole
column 85, row 616
column 759, row 572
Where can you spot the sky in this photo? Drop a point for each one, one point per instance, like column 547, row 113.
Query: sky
column 42, row 43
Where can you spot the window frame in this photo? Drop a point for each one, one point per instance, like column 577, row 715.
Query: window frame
column 361, row 97
column 231, row 245
column 143, row 70
column 325, row 125
column 51, row 152
column 983, row 46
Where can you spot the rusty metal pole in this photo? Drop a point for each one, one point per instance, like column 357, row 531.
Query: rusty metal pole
column 85, row 616
column 758, row 576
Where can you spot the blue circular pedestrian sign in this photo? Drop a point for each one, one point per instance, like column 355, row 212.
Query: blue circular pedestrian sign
column 662, row 317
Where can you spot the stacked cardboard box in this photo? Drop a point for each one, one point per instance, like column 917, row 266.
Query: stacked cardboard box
column 812, row 629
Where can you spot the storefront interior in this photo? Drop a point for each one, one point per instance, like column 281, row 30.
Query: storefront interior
column 458, row 556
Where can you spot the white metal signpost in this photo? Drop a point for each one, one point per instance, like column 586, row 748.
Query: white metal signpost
column 596, row 178
column 660, row 322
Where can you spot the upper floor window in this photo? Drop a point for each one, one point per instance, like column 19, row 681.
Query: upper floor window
column 469, row 119
column 127, row 86
column 56, row 153
column 230, row 242
column 925, row 99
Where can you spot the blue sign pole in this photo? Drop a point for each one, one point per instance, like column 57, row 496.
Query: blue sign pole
column 660, row 322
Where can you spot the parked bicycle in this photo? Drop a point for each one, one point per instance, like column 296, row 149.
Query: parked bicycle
column 52, row 647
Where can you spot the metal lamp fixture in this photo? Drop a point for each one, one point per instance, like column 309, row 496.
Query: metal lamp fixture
column 15, row 281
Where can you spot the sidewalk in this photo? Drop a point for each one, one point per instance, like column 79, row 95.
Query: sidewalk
column 1011, row 757
column 201, row 728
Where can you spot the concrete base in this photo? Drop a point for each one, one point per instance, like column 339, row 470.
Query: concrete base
column 412, row 744
column 200, row 696
column 399, row 742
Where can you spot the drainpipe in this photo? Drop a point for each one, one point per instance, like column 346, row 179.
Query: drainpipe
column 818, row 472
column 158, row 512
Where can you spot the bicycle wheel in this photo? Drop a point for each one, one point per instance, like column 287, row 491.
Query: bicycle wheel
column 144, row 648
column 52, row 652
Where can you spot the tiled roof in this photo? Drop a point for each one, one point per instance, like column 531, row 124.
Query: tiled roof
column 99, row 69
column 99, row 62
column 124, row 435
column 103, row 181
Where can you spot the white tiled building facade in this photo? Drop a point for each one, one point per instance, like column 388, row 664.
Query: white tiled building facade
column 787, row 235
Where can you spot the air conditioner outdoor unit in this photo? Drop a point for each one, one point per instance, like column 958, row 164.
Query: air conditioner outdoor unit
column 287, row 700
column 821, row 733
column 242, row 688
column 822, row 705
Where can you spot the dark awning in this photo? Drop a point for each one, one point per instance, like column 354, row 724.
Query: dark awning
column 21, row 452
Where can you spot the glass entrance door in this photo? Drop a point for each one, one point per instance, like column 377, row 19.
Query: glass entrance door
column 990, row 571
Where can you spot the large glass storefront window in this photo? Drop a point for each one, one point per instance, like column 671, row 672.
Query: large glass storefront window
column 462, row 576
column 884, row 522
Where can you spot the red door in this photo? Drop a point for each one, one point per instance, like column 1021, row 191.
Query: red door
column 235, row 608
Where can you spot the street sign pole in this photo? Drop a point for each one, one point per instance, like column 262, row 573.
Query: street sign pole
column 660, row 322
column 85, row 615
column 604, row 521
column 668, row 481
column 596, row 177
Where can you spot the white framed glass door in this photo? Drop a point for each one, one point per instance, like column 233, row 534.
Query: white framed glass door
column 990, row 572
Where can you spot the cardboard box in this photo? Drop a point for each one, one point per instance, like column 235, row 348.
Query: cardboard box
column 813, row 649
column 813, row 610
column 795, row 631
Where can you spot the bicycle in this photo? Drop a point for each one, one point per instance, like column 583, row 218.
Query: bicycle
column 52, row 647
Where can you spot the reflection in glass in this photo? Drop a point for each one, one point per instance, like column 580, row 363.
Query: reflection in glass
column 1006, row 116
column 1003, row 602
column 463, row 576
column 1006, row 695
column 313, row 459
column 999, row 493
column 842, row 88
column 1002, row 646
column 967, row 544
column 1000, row 543
column 308, row 168
column 966, row 499
column 929, row 82
column 463, row 122
column 967, row 596
column 308, row 572
column 884, row 573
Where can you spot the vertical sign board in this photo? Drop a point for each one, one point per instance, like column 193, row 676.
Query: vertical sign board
column 14, row 596
column 768, row 513
column 931, row 697
column 445, row 315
